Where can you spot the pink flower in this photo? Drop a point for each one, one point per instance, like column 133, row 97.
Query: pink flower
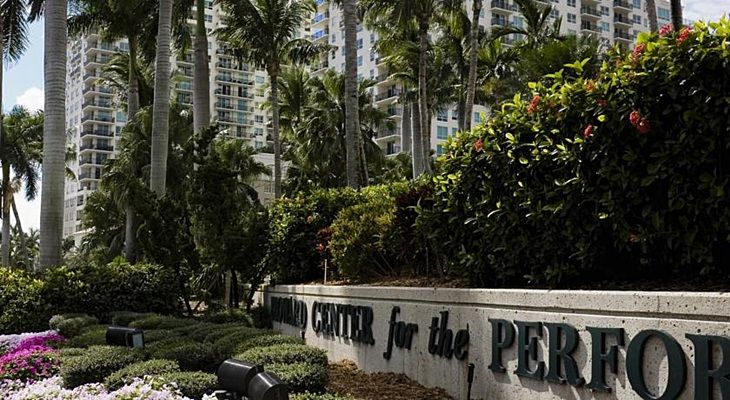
column 633, row 237
column 534, row 103
column 588, row 131
column 684, row 34
column 666, row 30
column 478, row 145
column 634, row 117
column 638, row 51
column 590, row 86
column 643, row 127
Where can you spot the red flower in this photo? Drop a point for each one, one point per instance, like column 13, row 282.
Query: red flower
column 534, row 103
column 633, row 237
column 665, row 30
column 643, row 127
column 634, row 117
column 602, row 103
column 478, row 145
column 638, row 51
column 588, row 131
column 684, row 34
column 590, row 86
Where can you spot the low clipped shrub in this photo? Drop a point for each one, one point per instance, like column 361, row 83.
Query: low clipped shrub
column 192, row 384
column 301, row 376
column 201, row 331
column 217, row 334
column 261, row 317
column 157, row 335
column 140, row 369
column 317, row 396
column 68, row 352
column 226, row 345
column 161, row 322
column 229, row 316
column 91, row 335
column 124, row 318
column 284, row 354
column 266, row 341
column 96, row 363
column 190, row 355
column 294, row 224
column 72, row 325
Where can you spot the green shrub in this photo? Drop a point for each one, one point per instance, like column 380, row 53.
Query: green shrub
column 201, row 331
column 284, row 354
column 617, row 176
column 190, row 355
column 68, row 352
column 124, row 318
column 229, row 316
column 73, row 326
column 216, row 334
column 58, row 318
column 225, row 345
column 158, row 335
column 22, row 303
column 261, row 317
column 96, row 363
column 92, row 335
column 161, row 322
column 266, row 341
column 363, row 242
column 294, row 224
column 125, row 375
column 301, row 376
column 192, row 384
column 317, row 396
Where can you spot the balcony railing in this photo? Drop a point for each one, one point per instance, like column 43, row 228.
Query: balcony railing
column 622, row 35
column 389, row 94
column 99, row 118
column 96, row 147
column 97, row 133
column 618, row 19
column 504, row 5
column 622, row 4
column 590, row 11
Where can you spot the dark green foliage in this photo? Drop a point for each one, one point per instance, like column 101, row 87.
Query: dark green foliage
column 161, row 322
column 301, row 376
column 190, row 355
column 91, row 335
column 100, row 289
column 138, row 370
column 225, row 346
column 216, row 334
column 229, row 316
column 21, row 302
column 294, row 225
column 192, row 384
column 266, row 341
column 201, row 331
column 124, row 318
column 68, row 352
column 285, row 354
column 71, row 325
column 158, row 335
column 261, row 317
column 574, row 188
column 96, row 363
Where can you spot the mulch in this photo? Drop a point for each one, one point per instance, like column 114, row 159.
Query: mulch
column 347, row 380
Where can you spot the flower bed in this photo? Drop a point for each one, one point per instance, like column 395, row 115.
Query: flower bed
column 52, row 388
column 30, row 356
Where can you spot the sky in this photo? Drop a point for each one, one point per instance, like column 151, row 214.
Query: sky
column 23, row 82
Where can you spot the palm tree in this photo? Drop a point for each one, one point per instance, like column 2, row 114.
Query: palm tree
column 651, row 15
column 537, row 28
column 676, row 6
column 161, row 103
column 54, row 127
column 263, row 32
column 471, row 88
column 20, row 152
column 201, row 71
column 349, row 8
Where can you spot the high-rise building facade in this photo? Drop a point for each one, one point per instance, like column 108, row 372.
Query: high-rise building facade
column 95, row 119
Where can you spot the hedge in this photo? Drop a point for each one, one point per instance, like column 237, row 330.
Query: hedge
column 301, row 376
column 194, row 384
column 92, row 335
column 71, row 325
column 266, row 341
column 140, row 369
column 96, row 363
column 190, row 355
column 161, row 322
column 285, row 354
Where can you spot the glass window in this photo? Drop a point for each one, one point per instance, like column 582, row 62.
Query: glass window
column 442, row 116
column 517, row 21
column 359, row 61
column 439, row 149
column 571, row 3
column 605, row 27
column 637, row 19
column 359, row 43
column 637, row 4
column 604, row 10
column 442, row 132
column 571, row 18
column 477, row 118
column 664, row 13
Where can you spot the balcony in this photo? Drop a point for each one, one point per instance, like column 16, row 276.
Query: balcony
column 99, row 104
column 320, row 34
column 622, row 35
column 390, row 94
column 590, row 28
column 619, row 19
column 393, row 112
column 98, row 89
column 387, row 133
column 97, row 133
column 503, row 5
column 97, row 147
column 89, row 175
column 231, row 79
column 590, row 12
column 320, row 17
column 497, row 22
column 92, row 161
column 623, row 5
column 98, row 118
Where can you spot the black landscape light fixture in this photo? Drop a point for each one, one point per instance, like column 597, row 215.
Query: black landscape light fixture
column 234, row 377
column 267, row 386
column 123, row 336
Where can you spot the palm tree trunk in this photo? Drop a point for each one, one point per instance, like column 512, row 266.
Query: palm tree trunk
column 427, row 140
column 651, row 15
column 54, row 133
column 364, row 178
column 21, row 235
column 161, row 106
column 352, row 141
column 5, row 248
column 416, row 140
column 273, row 78
column 130, row 237
column 472, row 83
column 423, row 94
column 405, row 133
column 201, row 72
column 676, row 6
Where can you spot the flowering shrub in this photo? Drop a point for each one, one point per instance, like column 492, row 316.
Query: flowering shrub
column 52, row 389
column 10, row 343
column 620, row 175
column 29, row 363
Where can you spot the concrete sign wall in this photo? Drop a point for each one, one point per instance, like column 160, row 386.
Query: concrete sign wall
column 521, row 344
